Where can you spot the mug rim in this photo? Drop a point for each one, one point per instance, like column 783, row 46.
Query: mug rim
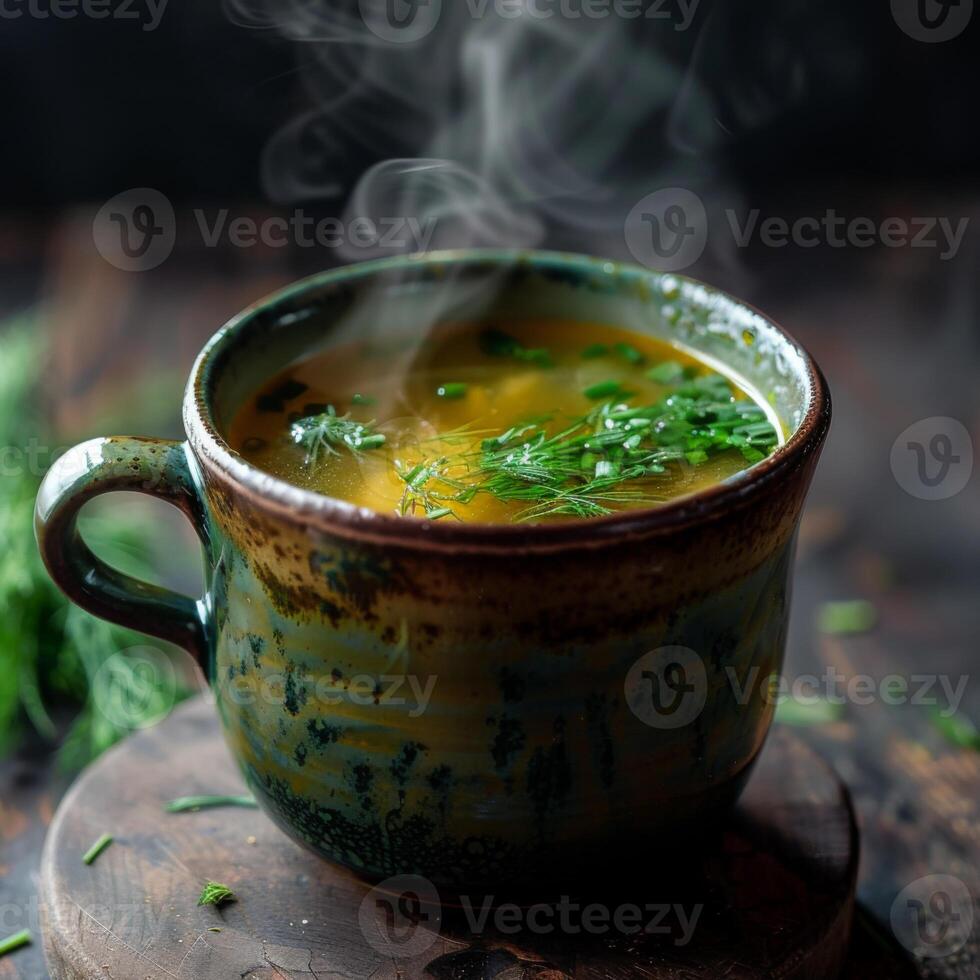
column 346, row 519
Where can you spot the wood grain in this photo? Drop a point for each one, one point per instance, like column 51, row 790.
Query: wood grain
column 773, row 892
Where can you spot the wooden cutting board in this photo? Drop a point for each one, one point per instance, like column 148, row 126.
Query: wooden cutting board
column 771, row 895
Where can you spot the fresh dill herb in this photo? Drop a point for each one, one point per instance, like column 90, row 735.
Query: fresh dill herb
column 359, row 399
column 496, row 343
column 452, row 390
column 185, row 803
column 97, row 848
column 629, row 353
column 615, row 454
column 666, row 373
column 216, row 894
column 595, row 350
column 328, row 431
column 16, row 941
column 605, row 389
column 437, row 513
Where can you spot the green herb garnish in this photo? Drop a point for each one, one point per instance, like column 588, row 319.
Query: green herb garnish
column 605, row 389
column 452, row 389
column 185, row 803
column 362, row 400
column 630, row 353
column 496, row 343
column 615, row 454
column 216, row 894
column 958, row 730
column 97, row 848
column 18, row 939
column 595, row 350
column 802, row 714
column 669, row 372
column 851, row 616
column 329, row 431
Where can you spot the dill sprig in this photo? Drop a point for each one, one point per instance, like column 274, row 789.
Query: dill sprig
column 216, row 894
column 185, row 803
column 613, row 455
column 97, row 848
column 16, row 941
column 329, row 431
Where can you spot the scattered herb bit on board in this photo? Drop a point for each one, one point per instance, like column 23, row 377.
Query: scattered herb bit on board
column 957, row 729
column 216, row 894
column 360, row 399
column 97, row 848
column 847, row 617
column 802, row 714
column 595, row 350
column 496, row 343
column 328, row 431
column 18, row 939
column 185, row 803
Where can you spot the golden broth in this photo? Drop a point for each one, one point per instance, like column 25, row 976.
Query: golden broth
column 441, row 403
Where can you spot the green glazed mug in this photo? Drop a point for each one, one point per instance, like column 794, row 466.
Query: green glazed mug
column 467, row 702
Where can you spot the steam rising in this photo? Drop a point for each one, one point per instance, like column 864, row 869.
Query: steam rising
column 492, row 130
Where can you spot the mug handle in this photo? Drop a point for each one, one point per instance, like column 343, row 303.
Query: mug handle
column 158, row 467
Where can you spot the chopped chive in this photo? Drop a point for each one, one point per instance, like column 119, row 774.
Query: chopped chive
column 851, row 616
column 630, row 353
column 666, row 373
column 802, row 714
column 371, row 442
column 451, row 389
column 97, row 848
column 499, row 344
column 595, row 350
column 216, row 894
column 604, row 389
column 214, row 929
column 185, row 803
column 359, row 399
column 16, row 941
column 957, row 729
column 437, row 512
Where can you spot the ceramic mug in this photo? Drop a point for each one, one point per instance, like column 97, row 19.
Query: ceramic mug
column 471, row 703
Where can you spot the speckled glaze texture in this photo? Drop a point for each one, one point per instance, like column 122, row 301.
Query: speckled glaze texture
column 450, row 700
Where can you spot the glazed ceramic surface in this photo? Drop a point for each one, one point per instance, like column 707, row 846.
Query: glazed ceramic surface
column 472, row 703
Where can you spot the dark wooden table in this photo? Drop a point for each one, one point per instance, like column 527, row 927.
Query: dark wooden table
column 895, row 332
